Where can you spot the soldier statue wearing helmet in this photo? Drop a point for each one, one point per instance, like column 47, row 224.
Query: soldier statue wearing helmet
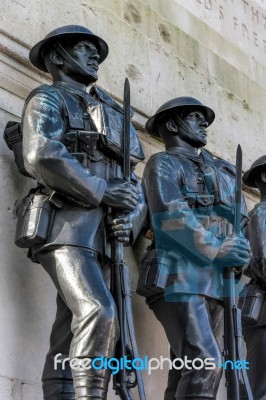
column 190, row 196
column 253, row 299
column 72, row 147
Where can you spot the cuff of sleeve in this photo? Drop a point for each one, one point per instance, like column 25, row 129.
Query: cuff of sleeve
column 207, row 245
column 100, row 192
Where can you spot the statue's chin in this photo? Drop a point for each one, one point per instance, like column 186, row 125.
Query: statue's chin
column 202, row 143
column 87, row 78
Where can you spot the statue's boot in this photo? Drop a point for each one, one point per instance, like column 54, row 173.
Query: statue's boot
column 91, row 384
column 59, row 390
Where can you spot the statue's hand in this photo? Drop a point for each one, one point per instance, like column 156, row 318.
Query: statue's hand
column 234, row 251
column 120, row 229
column 120, row 195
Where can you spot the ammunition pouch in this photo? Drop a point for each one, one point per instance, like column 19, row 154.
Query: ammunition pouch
column 219, row 226
column 34, row 219
column 202, row 202
column 82, row 145
column 252, row 303
column 157, row 272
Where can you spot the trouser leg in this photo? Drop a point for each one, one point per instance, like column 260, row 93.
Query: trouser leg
column 78, row 278
column 174, row 376
column 57, row 377
column 255, row 338
column 190, row 331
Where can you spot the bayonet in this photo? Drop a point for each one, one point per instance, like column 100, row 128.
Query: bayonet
column 238, row 192
column 126, row 132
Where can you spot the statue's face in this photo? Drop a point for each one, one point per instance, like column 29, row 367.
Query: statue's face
column 86, row 56
column 197, row 124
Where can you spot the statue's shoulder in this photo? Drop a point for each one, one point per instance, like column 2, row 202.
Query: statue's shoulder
column 161, row 156
column 51, row 89
column 44, row 97
column 258, row 210
column 163, row 161
column 44, row 91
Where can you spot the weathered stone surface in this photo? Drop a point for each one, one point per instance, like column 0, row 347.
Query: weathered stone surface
column 13, row 389
column 6, row 389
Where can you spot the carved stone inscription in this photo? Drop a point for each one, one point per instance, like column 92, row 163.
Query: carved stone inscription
column 242, row 22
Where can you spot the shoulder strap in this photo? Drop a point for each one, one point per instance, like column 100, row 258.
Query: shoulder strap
column 73, row 113
column 188, row 174
column 101, row 95
column 207, row 156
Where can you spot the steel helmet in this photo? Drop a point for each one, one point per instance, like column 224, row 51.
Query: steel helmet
column 179, row 104
column 250, row 175
column 65, row 32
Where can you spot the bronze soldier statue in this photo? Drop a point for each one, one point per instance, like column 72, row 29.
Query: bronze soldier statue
column 254, row 294
column 190, row 196
column 72, row 147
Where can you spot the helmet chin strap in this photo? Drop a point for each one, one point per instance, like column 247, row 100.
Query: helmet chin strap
column 187, row 129
column 66, row 56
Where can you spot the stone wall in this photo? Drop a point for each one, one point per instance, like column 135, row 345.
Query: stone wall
column 210, row 49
